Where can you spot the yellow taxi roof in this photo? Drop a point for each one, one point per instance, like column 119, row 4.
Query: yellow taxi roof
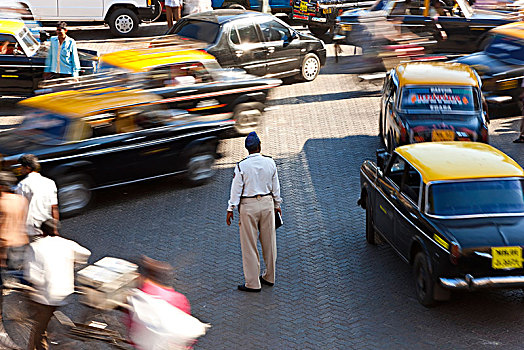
column 77, row 104
column 436, row 73
column 12, row 27
column 142, row 60
column 515, row 29
column 438, row 161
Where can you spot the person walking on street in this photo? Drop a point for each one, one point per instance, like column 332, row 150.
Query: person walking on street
column 521, row 135
column 62, row 60
column 13, row 240
column 255, row 190
column 50, row 268
column 173, row 11
column 40, row 192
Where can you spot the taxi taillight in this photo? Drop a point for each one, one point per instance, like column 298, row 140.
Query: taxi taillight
column 456, row 252
column 318, row 7
column 403, row 134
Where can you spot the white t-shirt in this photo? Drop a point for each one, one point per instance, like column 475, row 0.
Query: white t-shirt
column 41, row 193
column 50, row 267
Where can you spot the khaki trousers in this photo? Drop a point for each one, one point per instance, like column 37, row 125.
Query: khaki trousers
column 258, row 214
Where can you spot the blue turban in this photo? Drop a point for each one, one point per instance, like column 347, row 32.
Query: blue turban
column 252, row 141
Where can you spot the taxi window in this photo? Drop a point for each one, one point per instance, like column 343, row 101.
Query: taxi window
column 396, row 170
column 43, row 124
column 246, row 33
column 439, row 99
column 274, row 31
column 411, row 183
column 182, row 74
column 506, row 49
column 198, row 30
column 7, row 44
column 498, row 196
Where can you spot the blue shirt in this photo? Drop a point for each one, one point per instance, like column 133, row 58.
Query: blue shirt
column 62, row 59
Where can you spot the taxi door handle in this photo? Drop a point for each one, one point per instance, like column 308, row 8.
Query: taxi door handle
column 271, row 49
column 239, row 53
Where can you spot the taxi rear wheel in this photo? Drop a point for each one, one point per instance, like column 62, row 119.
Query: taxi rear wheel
column 424, row 285
column 123, row 22
column 200, row 166
column 74, row 194
column 247, row 117
column 370, row 230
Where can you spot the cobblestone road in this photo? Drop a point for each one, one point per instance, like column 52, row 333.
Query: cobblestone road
column 333, row 291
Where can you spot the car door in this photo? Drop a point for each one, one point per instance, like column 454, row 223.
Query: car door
column 43, row 9
column 388, row 187
column 81, row 9
column 248, row 49
column 407, row 205
column 16, row 71
column 283, row 47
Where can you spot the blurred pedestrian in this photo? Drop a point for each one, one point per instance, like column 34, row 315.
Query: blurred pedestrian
column 40, row 192
column 521, row 135
column 62, row 59
column 13, row 239
column 255, row 190
column 50, row 268
column 173, row 11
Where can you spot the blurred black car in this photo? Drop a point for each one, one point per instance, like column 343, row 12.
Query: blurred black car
column 259, row 43
column 501, row 65
column 88, row 140
column 453, row 24
column 22, row 60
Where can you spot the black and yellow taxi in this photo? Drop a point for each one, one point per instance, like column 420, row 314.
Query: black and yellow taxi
column 432, row 101
column 93, row 139
column 455, row 25
column 22, row 59
column 192, row 80
column 452, row 210
column 501, row 65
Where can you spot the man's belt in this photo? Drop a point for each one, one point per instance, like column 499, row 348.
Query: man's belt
column 258, row 195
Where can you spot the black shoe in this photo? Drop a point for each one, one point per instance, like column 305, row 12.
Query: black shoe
column 519, row 140
column 243, row 288
column 263, row 281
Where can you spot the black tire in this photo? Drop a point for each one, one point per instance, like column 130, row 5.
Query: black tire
column 380, row 128
column 370, row 230
column 247, row 117
column 74, row 194
column 424, row 284
column 310, row 67
column 123, row 22
column 391, row 143
column 200, row 165
column 317, row 31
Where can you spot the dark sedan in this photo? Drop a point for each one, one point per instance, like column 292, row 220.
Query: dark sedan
column 22, row 60
column 259, row 43
column 453, row 210
column 88, row 140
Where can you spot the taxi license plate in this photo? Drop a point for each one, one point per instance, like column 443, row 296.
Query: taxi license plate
column 346, row 27
column 303, row 6
column 443, row 135
column 327, row 10
column 506, row 257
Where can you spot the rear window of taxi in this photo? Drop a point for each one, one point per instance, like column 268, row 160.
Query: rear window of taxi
column 507, row 49
column 44, row 125
column 439, row 100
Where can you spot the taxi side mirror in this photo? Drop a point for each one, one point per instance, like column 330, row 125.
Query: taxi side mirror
column 382, row 158
column 44, row 36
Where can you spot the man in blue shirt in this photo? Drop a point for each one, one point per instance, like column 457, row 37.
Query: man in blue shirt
column 62, row 60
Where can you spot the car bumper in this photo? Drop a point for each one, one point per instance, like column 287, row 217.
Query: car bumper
column 146, row 12
column 470, row 283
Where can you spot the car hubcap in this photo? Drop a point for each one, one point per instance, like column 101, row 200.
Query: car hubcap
column 124, row 23
column 310, row 68
column 248, row 119
column 73, row 196
column 201, row 167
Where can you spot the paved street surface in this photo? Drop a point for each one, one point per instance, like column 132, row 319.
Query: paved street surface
column 333, row 291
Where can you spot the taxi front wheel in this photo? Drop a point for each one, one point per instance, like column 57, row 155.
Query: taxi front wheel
column 74, row 194
column 247, row 117
column 310, row 67
column 423, row 283
column 370, row 230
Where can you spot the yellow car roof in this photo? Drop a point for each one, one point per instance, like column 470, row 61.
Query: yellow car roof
column 77, row 104
column 437, row 161
column 8, row 26
column 515, row 29
column 142, row 60
column 436, row 73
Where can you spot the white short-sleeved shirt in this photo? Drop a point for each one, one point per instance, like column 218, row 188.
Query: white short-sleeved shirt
column 173, row 3
column 41, row 193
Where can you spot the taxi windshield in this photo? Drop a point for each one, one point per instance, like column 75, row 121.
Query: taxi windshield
column 439, row 100
column 43, row 124
column 506, row 48
column 469, row 198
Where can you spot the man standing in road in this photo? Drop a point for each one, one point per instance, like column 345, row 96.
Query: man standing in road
column 41, row 194
column 62, row 60
column 256, row 192
column 173, row 11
